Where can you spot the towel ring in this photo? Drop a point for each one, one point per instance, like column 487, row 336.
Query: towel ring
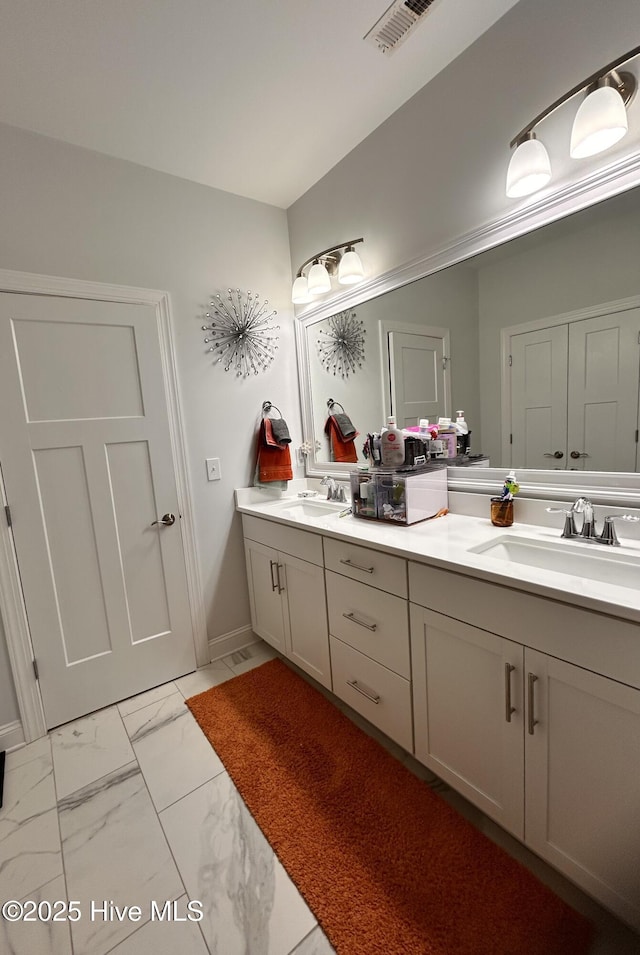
column 331, row 403
column 267, row 407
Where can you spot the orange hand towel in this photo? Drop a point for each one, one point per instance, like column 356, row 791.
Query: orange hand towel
column 274, row 460
column 342, row 450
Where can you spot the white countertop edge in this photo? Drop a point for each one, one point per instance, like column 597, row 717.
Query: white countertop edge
column 455, row 533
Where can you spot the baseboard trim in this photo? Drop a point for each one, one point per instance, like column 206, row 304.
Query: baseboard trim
column 11, row 735
column 228, row 643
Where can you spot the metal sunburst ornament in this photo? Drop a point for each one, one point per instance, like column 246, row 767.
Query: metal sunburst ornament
column 341, row 350
column 241, row 332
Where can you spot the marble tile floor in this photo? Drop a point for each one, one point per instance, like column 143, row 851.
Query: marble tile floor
column 131, row 806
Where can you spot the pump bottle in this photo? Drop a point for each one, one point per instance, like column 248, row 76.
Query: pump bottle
column 392, row 445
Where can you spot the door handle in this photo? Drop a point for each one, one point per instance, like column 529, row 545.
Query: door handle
column 554, row 454
column 354, row 685
column 579, row 454
column 274, row 585
column 350, row 563
column 352, row 617
column 167, row 520
column 280, row 587
column 532, row 721
column 508, row 708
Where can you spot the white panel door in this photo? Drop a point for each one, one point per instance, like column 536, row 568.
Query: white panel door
column 582, row 780
column 88, row 466
column 604, row 361
column 539, row 398
column 418, row 380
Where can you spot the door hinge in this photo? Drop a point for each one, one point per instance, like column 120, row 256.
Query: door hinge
column 636, row 435
column 510, row 360
column 7, row 514
column 638, row 338
column 510, row 439
column 35, row 670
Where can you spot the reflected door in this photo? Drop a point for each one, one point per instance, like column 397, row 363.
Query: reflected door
column 539, row 398
column 87, row 463
column 604, row 363
column 574, row 394
column 417, row 376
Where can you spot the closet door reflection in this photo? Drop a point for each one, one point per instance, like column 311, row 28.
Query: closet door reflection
column 604, row 361
column 539, row 398
column 574, row 394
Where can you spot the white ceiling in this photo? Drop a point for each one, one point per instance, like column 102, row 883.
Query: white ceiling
column 256, row 98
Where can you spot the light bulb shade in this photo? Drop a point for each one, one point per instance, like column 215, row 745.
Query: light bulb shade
column 300, row 291
column 318, row 280
column 600, row 122
column 529, row 169
column 350, row 269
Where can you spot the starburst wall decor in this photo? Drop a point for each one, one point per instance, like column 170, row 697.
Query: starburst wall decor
column 241, row 332
column 341, row 349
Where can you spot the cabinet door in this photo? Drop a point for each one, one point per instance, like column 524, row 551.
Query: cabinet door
column 305, row 615
column 265, row 597
column 468, row 712
column 583, row 782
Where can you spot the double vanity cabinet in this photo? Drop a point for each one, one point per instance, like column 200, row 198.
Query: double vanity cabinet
column 527, row 705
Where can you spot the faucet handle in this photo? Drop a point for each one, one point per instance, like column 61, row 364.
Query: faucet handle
column 569, row 529
column 608, row 535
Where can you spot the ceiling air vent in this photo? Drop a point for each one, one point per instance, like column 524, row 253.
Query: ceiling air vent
column 395, row 25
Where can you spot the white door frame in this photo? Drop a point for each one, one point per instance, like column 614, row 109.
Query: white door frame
column 409, row 328
column 592, row 311
column 11, row 598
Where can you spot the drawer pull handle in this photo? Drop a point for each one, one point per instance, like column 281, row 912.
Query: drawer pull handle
column 354, row 684
column 350, row 563
column 368, row 626
column 508, row 708
column 532, row 720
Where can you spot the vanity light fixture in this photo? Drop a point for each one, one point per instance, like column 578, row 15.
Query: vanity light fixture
column 341, row 260
column 600, row 122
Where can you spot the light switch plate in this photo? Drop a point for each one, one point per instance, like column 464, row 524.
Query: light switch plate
column 213, row 469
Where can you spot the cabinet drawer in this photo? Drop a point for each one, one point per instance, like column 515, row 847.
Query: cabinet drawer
column 368, row 566
column 374, row 622
column 382, row 697
column 302, row 544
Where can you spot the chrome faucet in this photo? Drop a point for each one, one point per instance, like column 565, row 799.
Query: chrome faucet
column 588, row 530
column 335, row 491
column 584, row 506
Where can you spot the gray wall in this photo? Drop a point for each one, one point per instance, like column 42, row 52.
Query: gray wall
column 71, row 212
column 436, row 169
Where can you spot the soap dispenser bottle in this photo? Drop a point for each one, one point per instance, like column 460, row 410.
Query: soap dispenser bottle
column 392, row 445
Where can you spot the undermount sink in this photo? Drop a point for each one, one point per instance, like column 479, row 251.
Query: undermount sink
column 305, row 508
column 590, row 561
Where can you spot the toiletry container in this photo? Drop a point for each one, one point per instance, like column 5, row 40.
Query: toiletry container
column 392, row 445
column 363, row 495
column 405, row 497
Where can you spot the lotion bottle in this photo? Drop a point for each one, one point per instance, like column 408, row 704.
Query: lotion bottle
column 392, row 445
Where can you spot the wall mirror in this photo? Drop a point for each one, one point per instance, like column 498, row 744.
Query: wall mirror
column 538, row 341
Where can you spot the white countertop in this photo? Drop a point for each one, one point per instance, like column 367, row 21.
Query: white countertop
column 444, row 542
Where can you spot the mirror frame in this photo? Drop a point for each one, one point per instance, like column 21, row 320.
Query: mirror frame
column 604, row 487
